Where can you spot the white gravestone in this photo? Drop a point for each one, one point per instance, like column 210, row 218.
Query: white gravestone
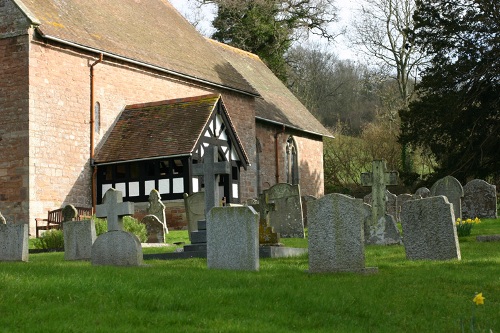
column 336, row 241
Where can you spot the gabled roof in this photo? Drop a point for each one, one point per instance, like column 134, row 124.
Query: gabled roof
column 149, row 32
column 162, row 129
column 277, row 103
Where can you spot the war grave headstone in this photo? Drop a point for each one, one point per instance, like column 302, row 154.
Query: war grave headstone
column 451, row 188
column 422, row 192
column 286, row 217
column 116, row 247
column 336, row 242
column 13, row 241
column 79, row 236
column 195, row 209
column 480, row 200
column 210, row 169
column 429, row 229
column 233, row 238
column 157, row 208
column 379, row 229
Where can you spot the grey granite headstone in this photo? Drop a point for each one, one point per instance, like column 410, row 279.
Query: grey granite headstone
column 154, row 228
column 116, row 247
column 233, row 238
column 195, row 209
column 422, row 192
column 69, row 213
column 14, row 242
column 451, row 188
column 305, row 200
column 401, row 199
column 286, row 216
column 336, row 242
column 429, row 229
column 157, row 208
column 78, row 239
column 480, row 200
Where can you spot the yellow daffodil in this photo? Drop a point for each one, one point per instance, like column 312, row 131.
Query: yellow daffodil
column 478, row 299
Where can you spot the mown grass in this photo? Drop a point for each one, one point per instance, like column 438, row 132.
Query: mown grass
column 49, row 294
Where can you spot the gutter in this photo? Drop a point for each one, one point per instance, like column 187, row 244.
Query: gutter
column 293, row 127
column 139, row 63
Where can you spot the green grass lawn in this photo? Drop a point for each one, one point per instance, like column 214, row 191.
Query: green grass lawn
column 48, row 294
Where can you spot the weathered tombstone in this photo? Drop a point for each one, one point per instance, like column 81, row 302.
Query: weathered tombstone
column 267, row 235
column 451, row 188
column 116, row 247
column 79, row 236
column 480, row 200
column 429, row 229
column 422, row 192
column 305, row 200
column 69, row 213
column 391, row 203
column 14, row 242
column 157, row 208
column 379, row 232
column 401, row 199
column 286, row 217
column 233, row 238
column 336, row 242
column 154, row 228
column 385, row 232
column 211, row 169
column 195, row 209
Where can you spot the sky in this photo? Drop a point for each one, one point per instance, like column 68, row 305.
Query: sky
column 207, row 13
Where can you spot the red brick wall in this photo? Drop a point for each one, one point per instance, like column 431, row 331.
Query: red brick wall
column 60, row 126
column 14, row 114
column 310, row 156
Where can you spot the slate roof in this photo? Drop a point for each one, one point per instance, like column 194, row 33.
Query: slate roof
column 150, row 32
column 161, row 129
column 277, row 104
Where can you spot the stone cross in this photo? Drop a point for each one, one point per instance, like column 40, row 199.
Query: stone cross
column 210, row 169
column 113, row 208
column 267, row 235
column 378, row 179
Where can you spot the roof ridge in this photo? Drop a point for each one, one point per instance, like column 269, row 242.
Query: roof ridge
column 170, row 101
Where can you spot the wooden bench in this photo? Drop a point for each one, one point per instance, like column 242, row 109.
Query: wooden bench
column 54, row 219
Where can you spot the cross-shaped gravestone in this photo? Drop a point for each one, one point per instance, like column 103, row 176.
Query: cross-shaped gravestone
column 113, row 208
column 378, row 179
column 210, row 169
column 267, row 236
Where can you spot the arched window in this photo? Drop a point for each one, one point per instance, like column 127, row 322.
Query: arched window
column 97, row 117
column 292, row 164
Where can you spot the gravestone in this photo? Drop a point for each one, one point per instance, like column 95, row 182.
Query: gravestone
column 267, row 235
column 286, row 216
column 210, row 169
column 79, row 236
column 451, row 188
column 14, row 242
column 422, row 192
column 480, row 200
column 157, row 208
column 429, row 229
column 69, row 213
column 116, row 247
column 154, row 228
column 195, row 209
column 391, row 203
column 2, row 219
column 305, row 200
column 401, row 199
column 233, row 238
column 336, row 242
column 385, row 232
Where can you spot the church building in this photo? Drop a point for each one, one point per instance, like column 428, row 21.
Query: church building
column 127, row 94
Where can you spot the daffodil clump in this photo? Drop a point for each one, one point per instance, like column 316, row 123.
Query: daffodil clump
column 464, row 227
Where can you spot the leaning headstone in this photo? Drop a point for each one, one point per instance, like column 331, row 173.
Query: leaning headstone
column 195, row 209
column 154, row 228
column 14, row 242
column 451, row 188
column 480, row 200
column 336, row 242
column 79, row 236
column 69, row 213
column 401, row 199
column 233, row 238
column 286, row 217
column 157, row 208
column 422, row 192
column 116, row 247
column 429, row 229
